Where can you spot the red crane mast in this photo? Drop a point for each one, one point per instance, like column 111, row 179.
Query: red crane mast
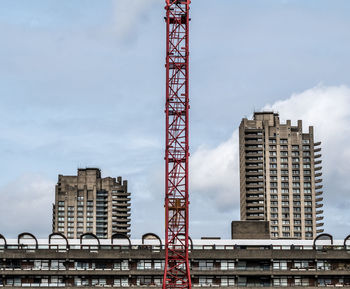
column 177, row 270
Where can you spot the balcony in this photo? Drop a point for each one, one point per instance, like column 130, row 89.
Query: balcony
column 319, row 200
column 319, row 218
column 123, row 210
column 116, row 215
column 318, row 181
column 317, row 144
column 319, row 193
column 318, row 156
column 318, row 162
column 318, row 168
column 318, row 175
column 253, row 142
column 123, row 225
column 318, row 187
column 319, row 224
column 319, row 206
column 319, row 212
column 319, row 231
column 317, row 150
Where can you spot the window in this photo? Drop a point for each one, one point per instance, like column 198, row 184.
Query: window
column 274, row 228
column 284, row 154
column 274, row 210
column 205, row 281
column 285, row 222
column 286, row 228
column 308, row 235
column 70, row 208
column 296, row 178
column 274, row 216
column 272, row 140
column 274, row 203
column 273, row 172
column 285, row 203
column 295, row 154
column 285, row 178
column 297, row 216
column 206, row 265
column 306, row 141
column 284, row 141
column 144, row 265
column 280, row 265
column 285, row 185
column 273, row 166
column 61, row 203
column 284, row 160
column 273, row 154
column 159, row 264
column 295, row 166
column 306, row 166
column 228, row 265
column 284, row 147
column 227, row 281
column 284, row 166
column 323, row 265
column 295, row 160
column 296, row 185
column 297, row 228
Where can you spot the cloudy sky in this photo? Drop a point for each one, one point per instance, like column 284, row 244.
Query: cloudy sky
column 82, row 84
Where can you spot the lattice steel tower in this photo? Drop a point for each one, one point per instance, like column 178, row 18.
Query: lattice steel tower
column 177, row 271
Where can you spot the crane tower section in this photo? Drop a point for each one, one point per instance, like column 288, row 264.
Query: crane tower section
column 177, row 271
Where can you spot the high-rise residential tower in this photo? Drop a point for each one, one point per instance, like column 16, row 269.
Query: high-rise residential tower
column 88, row 203
column 280, row 170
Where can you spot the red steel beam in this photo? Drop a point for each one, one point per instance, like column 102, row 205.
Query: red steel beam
column 177, row 270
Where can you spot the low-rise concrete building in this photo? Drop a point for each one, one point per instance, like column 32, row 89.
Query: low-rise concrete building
column 120, row 262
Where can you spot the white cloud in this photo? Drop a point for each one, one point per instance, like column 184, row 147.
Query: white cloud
column 26, row 206
column 215, row 171
column 129, row 12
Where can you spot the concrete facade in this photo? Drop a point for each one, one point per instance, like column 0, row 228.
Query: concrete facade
column 280, row 176
column 91, row 263
column 88, row 203
column 248, row 230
